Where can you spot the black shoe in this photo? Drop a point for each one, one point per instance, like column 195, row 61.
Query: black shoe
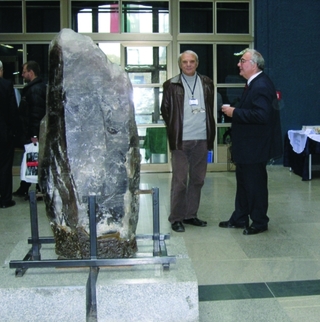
column 227, row 224
column 178, row 227
column 7, row 204
column 195, row 222
column 20, row 193
column 253, row 231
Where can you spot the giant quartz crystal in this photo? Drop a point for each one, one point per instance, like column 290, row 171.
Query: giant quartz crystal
column 89, row 146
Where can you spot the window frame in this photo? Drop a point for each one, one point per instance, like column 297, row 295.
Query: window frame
column 172, row 40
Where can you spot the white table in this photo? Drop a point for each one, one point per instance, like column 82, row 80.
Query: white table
column 298, row 140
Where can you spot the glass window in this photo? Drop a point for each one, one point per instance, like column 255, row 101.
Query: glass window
column 224, row 135
column 84, row 21
column 223, row 144
column 139, row 56
column 95, row 16
column 147, row 104
column 11, row 57
column 233, row 17
column 140, row 78
column 217, row 30
column 146, row 65
column 146, row 78
column 205, row 55
column 43, row 16
column 147, row 70
column 227, row 61
column 112, row 50
column 163, row 76
column 153, row 144
column 10, row 16
column 39, row 53
column 146, row 17
column 231, row 95
column 196, row 17
column 227, row 95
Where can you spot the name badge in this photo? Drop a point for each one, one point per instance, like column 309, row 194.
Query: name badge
column 193, row 102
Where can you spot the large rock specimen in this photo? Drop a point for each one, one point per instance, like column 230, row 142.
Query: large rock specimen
column 89, row 146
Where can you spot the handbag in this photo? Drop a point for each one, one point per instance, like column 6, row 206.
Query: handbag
column 29, row 165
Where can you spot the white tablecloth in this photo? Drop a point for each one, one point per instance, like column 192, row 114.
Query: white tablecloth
column 299, row 138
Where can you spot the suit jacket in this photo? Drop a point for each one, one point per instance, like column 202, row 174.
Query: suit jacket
column 256, row 130
column 8, row 112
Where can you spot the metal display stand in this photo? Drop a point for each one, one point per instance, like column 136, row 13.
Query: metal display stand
column 33, row 257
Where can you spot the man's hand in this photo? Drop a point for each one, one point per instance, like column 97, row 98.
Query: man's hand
column 227, row 110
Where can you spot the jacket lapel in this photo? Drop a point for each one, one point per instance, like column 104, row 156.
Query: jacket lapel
column 247, row 89
column 244, row 95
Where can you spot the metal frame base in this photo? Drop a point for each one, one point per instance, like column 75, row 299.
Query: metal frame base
column 33, row 257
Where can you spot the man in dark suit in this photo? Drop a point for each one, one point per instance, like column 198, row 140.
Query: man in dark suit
column 8, row 126
column 256, row 139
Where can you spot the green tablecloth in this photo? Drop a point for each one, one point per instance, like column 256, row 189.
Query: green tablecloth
column 155, row 141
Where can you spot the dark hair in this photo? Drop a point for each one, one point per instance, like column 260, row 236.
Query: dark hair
column 34, row 66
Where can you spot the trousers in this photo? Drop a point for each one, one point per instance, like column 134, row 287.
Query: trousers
column 252, row 195
column 189, row 168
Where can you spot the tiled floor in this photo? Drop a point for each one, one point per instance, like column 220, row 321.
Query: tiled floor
column 273, row 276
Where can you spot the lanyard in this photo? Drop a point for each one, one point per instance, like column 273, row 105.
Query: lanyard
column 194, row 86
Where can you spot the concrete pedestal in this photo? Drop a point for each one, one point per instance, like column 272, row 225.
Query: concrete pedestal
column 125, row 293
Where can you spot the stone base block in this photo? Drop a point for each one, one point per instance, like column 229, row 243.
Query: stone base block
column 124, row 293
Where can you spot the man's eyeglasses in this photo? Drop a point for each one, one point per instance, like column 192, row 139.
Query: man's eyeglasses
column 242, row 60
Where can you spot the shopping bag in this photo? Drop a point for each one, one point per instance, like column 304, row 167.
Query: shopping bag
column 29, row 165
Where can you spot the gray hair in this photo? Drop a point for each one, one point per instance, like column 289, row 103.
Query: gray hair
column 1, row 64
column 256, row 57
column 188, row 52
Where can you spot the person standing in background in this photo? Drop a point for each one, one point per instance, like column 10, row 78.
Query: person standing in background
column 8, row 131
column 32, row 109
column 187, row 109
column 256, row 139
